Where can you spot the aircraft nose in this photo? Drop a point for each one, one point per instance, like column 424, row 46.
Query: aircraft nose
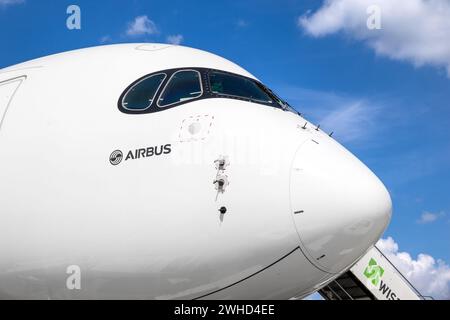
column 340, row 208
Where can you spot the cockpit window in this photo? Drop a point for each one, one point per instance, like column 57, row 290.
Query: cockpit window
column 170, row 88
column 237, row 86
column 183, row 85
column 141, row 95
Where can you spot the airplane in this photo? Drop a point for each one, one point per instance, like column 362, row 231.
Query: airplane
column 156, row 171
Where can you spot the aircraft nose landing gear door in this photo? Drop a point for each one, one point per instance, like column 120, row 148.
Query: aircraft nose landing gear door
column 7, row 90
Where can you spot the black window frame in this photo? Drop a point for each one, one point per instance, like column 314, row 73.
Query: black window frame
column 168, row 83
column 206, row 92
column 136, row 83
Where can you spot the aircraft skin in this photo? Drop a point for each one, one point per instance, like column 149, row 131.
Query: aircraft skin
column 300, row 208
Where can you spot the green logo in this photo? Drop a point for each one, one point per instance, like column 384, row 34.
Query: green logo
column 373, row 272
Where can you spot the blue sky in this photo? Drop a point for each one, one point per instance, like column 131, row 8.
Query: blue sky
column 385, row 93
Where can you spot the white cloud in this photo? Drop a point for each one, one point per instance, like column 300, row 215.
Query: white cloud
column 430, row 276
column 175, row 39
column 351, row 119
column 429, row 217
column 4, row 3
column 105, row 39
column 141, row 25
column 417, row 31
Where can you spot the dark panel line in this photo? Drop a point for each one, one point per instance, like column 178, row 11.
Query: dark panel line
column 314, row 264
column 254, row 274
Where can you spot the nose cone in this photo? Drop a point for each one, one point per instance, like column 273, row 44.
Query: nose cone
column 340, row 208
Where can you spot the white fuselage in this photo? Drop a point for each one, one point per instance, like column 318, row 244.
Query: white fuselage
column 300, row 209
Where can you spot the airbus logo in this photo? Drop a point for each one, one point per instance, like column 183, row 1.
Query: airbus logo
column 116, row 157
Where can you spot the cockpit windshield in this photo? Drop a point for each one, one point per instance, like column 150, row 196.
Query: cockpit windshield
column 237, row 86
column 173, row 87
